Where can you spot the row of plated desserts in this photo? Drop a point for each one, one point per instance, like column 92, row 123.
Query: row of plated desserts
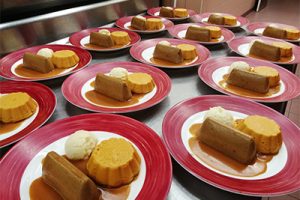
column 115, row 162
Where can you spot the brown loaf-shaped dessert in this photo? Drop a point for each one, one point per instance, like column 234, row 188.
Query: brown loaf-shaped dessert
column 67, row 180
column 216, row 19
column 112, row 87
column 232, row 142
column 138, row 22
column 248, row 80
column 99, row 39
column 166, row 12
column 198, row 33
column 264, row 50
column 37, row 63
column 168, row 53
column 275, row 32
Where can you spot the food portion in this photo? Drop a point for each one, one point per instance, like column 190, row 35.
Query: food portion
column 105, row 174
column 114, row 163
column 106, row 39
column 174, row 54
column 222, row 19
column 120, row 88
column 259, row 79
column 240, row 147
column 266, row 133
column 112, row 87
column 46, row 61
column 80, row 145
column 281, row 33
column 150, row 24
column 274, row 51
column 139, row 22
column 16, row 106
column 64, row 59
column 140, row 83
column 173, row 12
column 228, row 140
column 204, row 33
column 67, row 180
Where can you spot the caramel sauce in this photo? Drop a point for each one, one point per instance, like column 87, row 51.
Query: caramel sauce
column 22, row 71
column 282, row 59
column 7, row 127
column 223, row 163
column 160, row 62
column 41, row 191
column 103, row 100
column 244, row 92
column 96, row 47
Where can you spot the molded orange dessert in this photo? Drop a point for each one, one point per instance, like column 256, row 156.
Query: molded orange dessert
column 266, row 133
column 114, row 162
column 269, row 72
column 120, row 37
column 188, row 51
column 230, row 20
column 292, row 34
column 286, row 50
column 16, row 106
column 140, row 83
column 180, row 12
column 154, row 24
column 65, row 58
column 215, row 32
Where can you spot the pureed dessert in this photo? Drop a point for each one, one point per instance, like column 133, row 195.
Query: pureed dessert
column 81, row 176
column 237, row 147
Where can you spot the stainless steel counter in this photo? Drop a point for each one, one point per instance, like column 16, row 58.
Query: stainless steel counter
column 185, row 84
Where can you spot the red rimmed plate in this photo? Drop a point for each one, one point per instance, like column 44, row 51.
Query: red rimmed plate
column 203, row 18
column 212, row 71
column 9, row 63
column 257, row 28
column 82, row 38
column 155, row 12
column 125, row 23
column 45, row 99
column 157, row 180
column 284, row 175
column 82, row 81
column 143, row 52
column 241, row 46
column 179, row 31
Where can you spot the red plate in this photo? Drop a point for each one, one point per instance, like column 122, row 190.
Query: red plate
column 8, row 61
column 125, row 22
column 257, row 28
column 143, row 51
column 290, row 81
column 41, row 94
column 82, row 37
column 179, row 31
column 241, row 46
column 285, row 181
column 158, row 163
column 78, row 80
column 204, row 17
column 155, row 12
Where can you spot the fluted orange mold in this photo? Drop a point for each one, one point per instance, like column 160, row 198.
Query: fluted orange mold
column 140, row 83
column 64, row 59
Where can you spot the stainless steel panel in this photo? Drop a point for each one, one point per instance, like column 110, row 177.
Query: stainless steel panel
column 53, row 26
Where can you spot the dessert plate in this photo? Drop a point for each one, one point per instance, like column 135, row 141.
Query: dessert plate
column 46, row 101
column 82, row 82
column 10, row 63
column 155, row 12
column 179, row 31
column 82, row 38
column 257, row 28
column 203, row 18
column 212, row 71
column 125, row 23
column 143, row 52
column 103, row 126
column 241, row 46
column 282, row 175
